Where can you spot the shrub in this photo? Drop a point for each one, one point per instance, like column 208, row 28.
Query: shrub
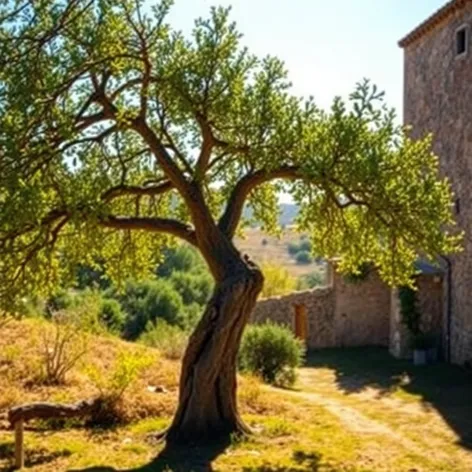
column 311, row 280
column 112, row 316
column 182, row 258
column 272, row 352
column 193, row 287
column 293, row 248
column 305, row 245
column 411, row 317
column 63, row 345
column 303, row 257
column 170, row 340
column 83, row 306
column 61, row 300
column 113, row 384
column 277, row 281
column 148, row 301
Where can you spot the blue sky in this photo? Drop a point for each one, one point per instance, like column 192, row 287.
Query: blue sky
column 327, row 45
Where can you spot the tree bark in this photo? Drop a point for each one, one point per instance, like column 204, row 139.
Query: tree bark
column 207, row 408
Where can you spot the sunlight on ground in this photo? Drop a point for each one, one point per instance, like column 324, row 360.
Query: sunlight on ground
column 351, row 411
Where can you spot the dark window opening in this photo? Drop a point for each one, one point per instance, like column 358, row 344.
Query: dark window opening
column 461, row 41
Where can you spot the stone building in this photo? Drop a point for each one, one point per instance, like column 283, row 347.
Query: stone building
column 346, row 313
column 438, row 99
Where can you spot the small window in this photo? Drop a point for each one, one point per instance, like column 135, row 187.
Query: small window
column 462, row 40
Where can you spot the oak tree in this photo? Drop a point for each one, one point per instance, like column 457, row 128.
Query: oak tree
column 120, row 135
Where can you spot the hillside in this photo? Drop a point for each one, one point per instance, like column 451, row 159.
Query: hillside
column 287, row 213
column 263, row 248
column 327, row 423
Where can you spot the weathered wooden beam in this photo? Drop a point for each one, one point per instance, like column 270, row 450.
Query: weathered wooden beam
column 19, row 448
column 22, row 413
column 39, row 410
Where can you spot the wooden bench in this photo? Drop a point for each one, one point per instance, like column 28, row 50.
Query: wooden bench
column 19, row 415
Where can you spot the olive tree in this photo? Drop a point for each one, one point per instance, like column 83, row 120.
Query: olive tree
column 119, row 135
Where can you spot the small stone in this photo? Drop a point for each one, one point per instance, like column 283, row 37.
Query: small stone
column 157, row 389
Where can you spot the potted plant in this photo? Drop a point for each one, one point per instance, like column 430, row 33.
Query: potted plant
column 421, row 344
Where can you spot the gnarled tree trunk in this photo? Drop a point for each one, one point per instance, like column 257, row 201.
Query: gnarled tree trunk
column 207, row 402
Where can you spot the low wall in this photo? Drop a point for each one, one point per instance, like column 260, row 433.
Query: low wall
column 342, row 314
column 347, row 314
column 319, row 304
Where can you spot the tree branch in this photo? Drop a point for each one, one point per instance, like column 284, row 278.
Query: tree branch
column 123, row 190
column 232, row 214
column 161, row 225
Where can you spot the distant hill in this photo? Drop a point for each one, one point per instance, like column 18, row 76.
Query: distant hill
column 288, row 213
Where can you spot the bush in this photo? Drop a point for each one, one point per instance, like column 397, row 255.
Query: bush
column 277, row 281
column 182, row 258
column 193, row 287
column 293, row 248
column 272, row 352
column 63, row 345
column 113, row 384
column 170, row 340
column 305, row 245
column 303, row 257
column 149, row 301
column 84, row 306
column 112, row 316
column 311, row 280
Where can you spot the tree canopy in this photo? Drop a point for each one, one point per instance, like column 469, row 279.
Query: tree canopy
column 119, row 134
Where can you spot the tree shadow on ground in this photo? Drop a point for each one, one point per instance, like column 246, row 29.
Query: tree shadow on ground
column 174, row 459
column 187, row 459
column 306, row 462
column 446, row 388
column 33, row 457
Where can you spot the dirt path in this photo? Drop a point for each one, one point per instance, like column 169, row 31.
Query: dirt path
column 355, row 420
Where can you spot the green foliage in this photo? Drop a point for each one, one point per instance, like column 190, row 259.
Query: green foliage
column 311, row 280
column 182, row 258
column 271, row 351
column 292, row 248
column 193, row 287
column 112, row 316
column 91, row 277
column 277, row 281
column 100, row 125
column 148, row 301
column 303, row 257
column 411, row 316
column 301, row 251
column 170, row 340
column 305, row 245
column 358, row 275
column 84, row 306
column 113, row 383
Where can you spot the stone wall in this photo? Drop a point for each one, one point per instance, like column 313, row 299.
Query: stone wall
column 362, row 311
column 343, row 314
column 438, row 99
column 319, row 304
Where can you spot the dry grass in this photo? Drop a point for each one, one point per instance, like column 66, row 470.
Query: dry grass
column 275, row 251
column 344, row 416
